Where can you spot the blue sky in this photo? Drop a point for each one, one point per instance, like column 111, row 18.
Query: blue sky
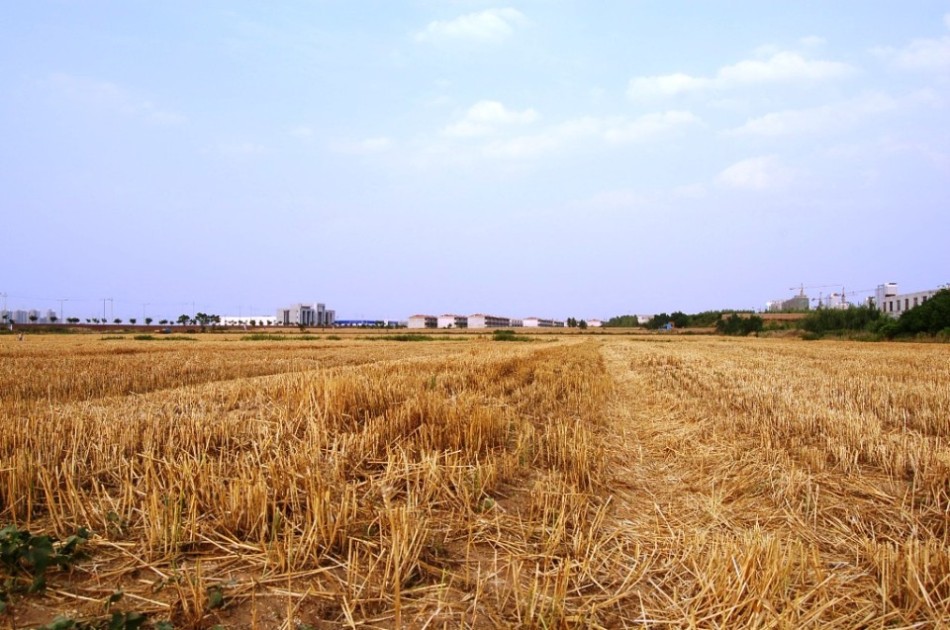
column 524, row 158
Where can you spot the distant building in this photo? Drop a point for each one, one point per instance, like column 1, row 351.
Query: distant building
column 305, row 315
column 488, row 321
column 452, row 321
column 537, row 322
column 889, row 301
column 595, row 323
column 837, row 301
column 423, row 321
column 798, row 303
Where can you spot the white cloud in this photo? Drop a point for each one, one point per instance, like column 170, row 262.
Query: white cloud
column 783, row 66
column 112, row 97
column 491, row 26
column 756, row 174
column 575, row 131
column 816, row 119
column 665, row 85
column 780, row 67
column 485, row 117
column 812, row 41
column 926, row 54
column 302, row 131
column 649, row 126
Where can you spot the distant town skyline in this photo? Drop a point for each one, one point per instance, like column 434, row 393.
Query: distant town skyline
column 553, row 159
column 112, row 309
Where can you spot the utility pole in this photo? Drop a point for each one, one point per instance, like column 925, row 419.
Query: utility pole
column 61, row 300
column 104, row 300
column 143, row 311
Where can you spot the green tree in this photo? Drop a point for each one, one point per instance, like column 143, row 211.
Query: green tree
column 183, row 319
column 33, row 318
column 854, row 318
column 148, row 321
column 117, row 320
column 931, row 317
column 680, row 319
column 132, row 320
column 582, row 324
column 658, row 321
column 736, row 325
column 623, row 321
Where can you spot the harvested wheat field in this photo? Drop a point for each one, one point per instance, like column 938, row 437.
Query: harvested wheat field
column 576, row 481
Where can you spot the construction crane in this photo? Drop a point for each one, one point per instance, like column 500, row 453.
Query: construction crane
column 801, row 288
column 843, row 295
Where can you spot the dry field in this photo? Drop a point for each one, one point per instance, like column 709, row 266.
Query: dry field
column 575, row 481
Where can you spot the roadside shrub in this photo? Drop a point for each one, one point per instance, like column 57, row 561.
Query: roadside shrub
column 931, row 317
column 825, row 320
column 740, row 326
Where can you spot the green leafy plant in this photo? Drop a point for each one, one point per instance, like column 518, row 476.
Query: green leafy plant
column 22, row 553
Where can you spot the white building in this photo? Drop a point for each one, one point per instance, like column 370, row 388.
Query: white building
column 537, row 322
column 836, row 301
column 889, row 301
column 305, row 315
column 452, row 321
column 423, row 321
column 595, row 323
column 488, row 321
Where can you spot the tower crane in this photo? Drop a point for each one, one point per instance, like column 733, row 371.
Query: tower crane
column 801, row 288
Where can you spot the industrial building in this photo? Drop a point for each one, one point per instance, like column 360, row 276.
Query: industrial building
column 305, row 315
column 21, row 316
column 423, row 321
column 798, row 303
column 889, row 301
column 452, row 321
column 488, row 321
column 537, row 322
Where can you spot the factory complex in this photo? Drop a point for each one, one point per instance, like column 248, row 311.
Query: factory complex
column 480, row 320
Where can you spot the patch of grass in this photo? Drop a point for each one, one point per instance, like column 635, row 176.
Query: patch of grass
column 113, row 338
column 144, row 338
column 273, row 337
column 509, row 335
column 414, row 337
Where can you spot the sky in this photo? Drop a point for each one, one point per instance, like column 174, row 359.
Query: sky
column 536, row 158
